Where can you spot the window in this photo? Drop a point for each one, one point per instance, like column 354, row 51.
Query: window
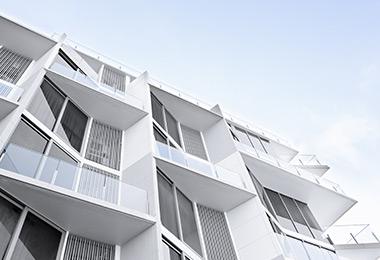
column 165, row 119
column 188, row 224
column 104, row 145
column 170, row 252
column 242, row 136
column 12, row 65
column 9, row 215
column 193, row 142
column 174, row 203
column 172, row 125
column 256, row 142
column 72, row 126
column 296, row 215
column 157, row 111
column 300, row 220
column 47, row 104
column 159, row 136
column 24, row 150
column 38, row 240
column 167, row 204
column 280, row 209
column 260, row 144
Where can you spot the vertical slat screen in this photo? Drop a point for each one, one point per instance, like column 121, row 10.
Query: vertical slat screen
column 216, row 234
column 80, row 248
column 193, row 142
column 104, row 145
column 99, row 184
column 12, row 65
column 114, row 79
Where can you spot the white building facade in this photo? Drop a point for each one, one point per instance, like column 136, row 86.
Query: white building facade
column 101, row 162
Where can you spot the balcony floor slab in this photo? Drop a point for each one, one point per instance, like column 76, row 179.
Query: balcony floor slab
column 76, row 213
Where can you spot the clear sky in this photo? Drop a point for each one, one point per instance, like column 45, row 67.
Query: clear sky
column 309, row 70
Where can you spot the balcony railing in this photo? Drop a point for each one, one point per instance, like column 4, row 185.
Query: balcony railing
column 308, row 160
column 289, row 167
column 352, row 234
column 59, row 173
column 293, row 248
column 199, row 165
column 83, row 79
column 10, row 91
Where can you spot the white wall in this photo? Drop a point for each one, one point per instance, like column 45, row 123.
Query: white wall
column 218, row 141
column 144, row 246
column 252, row 233
column 359, row 252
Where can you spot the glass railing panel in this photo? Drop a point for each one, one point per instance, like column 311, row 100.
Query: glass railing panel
column 20, row 160
column 297, row 248
column 162, row 150
column 66, row 175
column 10, row 91
column 285, row 246
column 177, row 156
column 201, row 166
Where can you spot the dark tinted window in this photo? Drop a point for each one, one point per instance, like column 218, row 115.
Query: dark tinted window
column 73, row 126
column 47, row 104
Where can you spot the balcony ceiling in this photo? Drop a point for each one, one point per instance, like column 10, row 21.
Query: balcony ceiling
column 186, row 112
column 203, row 189
column 326, row 204
column 98, row 104
column 17, row 36
column 75, row 212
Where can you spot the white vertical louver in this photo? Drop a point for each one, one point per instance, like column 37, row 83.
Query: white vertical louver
column 12, row 65
column 193, row 142
column 99, row 184
column 104, row 145
column 217, row 238
column 80, row 248
column 113, row 79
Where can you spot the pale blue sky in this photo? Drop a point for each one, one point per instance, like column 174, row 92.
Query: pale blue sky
column 309, row 70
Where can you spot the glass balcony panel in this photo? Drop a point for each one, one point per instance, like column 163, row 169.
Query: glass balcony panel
column 201, row 166
column 162, row 150
column 20, row 160
column 298, row 249
column 68, row 175
column 314, row 252
column 177, row 156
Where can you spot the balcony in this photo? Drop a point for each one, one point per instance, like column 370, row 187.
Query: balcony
column 293, row 248
column 9, row 96
column 88, row 203
column 210, row 185
column 98, row 100
column 310, row 163
column 358, row 234
column 325, row 198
